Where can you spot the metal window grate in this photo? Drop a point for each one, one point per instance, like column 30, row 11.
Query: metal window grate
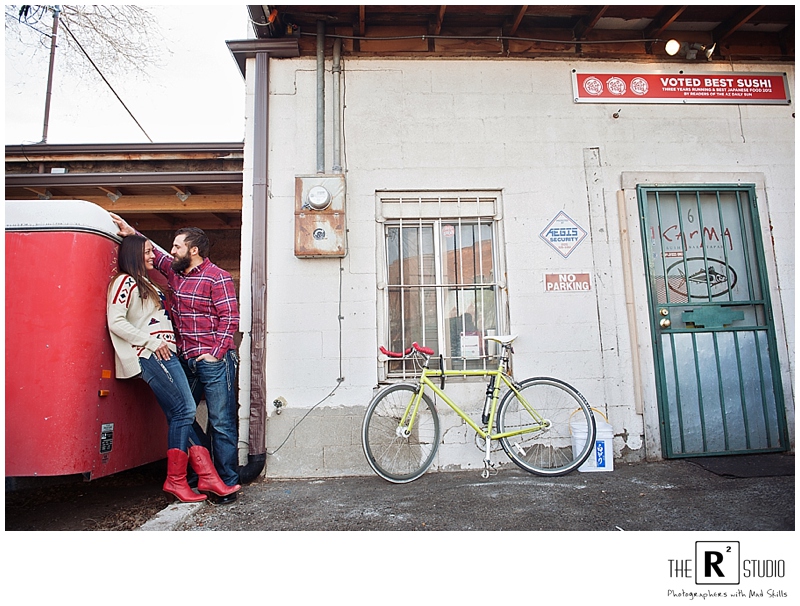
column 442, row 279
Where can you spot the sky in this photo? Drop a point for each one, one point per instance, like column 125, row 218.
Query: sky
column 198, row 95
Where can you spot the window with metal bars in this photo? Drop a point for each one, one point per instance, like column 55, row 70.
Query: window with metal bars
column 442, row 286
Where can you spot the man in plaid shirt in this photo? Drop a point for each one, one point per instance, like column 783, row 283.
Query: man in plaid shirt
column 205, row 314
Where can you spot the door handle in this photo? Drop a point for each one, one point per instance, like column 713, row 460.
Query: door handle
column 665, row 323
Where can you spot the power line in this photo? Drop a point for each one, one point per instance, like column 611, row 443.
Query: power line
column 106, row 81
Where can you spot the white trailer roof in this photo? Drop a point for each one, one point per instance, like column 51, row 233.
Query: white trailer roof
column 59, row 215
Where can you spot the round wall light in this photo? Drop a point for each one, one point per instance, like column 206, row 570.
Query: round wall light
column 672, row 47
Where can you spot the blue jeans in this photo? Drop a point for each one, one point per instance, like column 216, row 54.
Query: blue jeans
column 168, row 382
column 217, row 381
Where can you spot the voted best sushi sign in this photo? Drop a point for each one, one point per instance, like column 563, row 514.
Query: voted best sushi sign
column 657, row 87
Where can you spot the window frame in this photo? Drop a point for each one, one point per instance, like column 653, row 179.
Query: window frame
column 433, row 209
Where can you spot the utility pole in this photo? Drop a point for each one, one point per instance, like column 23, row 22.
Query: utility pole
column 56, row 12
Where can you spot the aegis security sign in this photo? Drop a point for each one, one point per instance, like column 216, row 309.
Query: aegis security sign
column 563, row 234
column 657, row 87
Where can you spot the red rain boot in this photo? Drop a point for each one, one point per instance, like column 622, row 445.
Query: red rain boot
column 208, row 479
column 176, row 478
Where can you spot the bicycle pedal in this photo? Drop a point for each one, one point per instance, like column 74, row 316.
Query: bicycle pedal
column 488, row 470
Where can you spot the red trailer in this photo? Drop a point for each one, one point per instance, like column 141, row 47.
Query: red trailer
column 66, row 413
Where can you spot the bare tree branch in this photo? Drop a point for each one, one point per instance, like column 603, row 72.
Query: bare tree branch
column 118, row 38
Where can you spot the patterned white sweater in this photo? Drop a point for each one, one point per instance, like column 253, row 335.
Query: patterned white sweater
column 137, row 326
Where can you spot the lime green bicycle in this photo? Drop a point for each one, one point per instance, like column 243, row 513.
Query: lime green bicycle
column 544, row 425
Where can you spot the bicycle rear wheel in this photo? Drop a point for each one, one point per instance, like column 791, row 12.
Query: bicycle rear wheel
column 395, row 454
column 559, row 440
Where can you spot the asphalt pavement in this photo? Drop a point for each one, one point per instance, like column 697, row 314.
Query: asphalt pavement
column 747, row 493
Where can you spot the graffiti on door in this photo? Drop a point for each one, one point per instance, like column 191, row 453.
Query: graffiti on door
column 686, row 240
column 698, row 246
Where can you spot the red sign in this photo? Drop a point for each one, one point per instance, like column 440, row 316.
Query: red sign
column 567, row 282
column 718, row 87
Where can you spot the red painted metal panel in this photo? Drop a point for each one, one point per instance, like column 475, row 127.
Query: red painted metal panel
column 66, row 413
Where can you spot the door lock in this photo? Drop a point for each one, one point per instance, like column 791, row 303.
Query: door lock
column 663, row 312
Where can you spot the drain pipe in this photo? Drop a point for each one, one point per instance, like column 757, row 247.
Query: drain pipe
column 321, row 97
column 257, row 455
column 337, row 125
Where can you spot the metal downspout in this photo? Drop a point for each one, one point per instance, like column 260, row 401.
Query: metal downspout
column 337, row 127
column 257, row 455
column 320, row 97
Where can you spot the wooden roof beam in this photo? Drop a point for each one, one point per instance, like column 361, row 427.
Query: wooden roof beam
column 157, row 204
column 182, row 192
column 170, row 219
column 124, row 179
column 41, row 192
column 113, row 195
column 662, row 21
column 786, row 39
column 437, row 27
column 226, row 220
column 360, row 27
column 725, row 29
column 518, row 19
column 587, row 23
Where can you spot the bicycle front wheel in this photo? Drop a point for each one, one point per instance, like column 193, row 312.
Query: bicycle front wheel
column 556, row 425
column 396, row 452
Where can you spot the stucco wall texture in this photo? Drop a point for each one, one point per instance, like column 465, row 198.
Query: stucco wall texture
column 510, row 127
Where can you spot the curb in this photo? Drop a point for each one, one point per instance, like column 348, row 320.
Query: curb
column 171, row 517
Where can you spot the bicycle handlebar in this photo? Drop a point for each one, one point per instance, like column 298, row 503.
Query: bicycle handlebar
column 414, row 346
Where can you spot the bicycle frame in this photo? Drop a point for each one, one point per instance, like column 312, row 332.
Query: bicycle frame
column 407, row 422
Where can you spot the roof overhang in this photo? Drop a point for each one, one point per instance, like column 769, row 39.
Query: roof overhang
column 618, row 32
column 163, row 184
column 137, row 150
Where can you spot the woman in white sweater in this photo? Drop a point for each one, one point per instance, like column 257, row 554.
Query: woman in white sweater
column 144, row 347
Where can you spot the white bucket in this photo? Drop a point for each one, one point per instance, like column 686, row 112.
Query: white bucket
column 601, row 458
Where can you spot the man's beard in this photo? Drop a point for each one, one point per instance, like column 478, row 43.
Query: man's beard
column 181, row 264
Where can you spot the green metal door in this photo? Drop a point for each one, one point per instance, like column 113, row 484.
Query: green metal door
column 713, row 335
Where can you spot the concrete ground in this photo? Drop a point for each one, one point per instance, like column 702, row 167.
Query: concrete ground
column 755, row 494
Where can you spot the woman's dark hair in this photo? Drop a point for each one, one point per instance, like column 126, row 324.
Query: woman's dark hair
column 131, row 262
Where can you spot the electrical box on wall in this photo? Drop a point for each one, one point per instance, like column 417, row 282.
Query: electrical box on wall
column 319, row 226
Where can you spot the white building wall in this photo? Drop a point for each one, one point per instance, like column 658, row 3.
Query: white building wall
column 502, row 125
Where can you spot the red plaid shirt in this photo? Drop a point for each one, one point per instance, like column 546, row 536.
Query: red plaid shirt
column 203, row 307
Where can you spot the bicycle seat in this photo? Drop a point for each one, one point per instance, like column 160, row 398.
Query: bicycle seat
column 502, row 339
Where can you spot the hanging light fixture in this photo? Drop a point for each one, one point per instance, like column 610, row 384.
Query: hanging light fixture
column 689, row 49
